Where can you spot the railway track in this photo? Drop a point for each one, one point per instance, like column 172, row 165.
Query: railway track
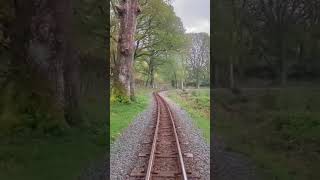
column 164, row 159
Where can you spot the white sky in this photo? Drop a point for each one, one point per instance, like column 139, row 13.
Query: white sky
column 195, row 14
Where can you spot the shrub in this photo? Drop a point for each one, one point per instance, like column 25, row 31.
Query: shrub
column 268, row 101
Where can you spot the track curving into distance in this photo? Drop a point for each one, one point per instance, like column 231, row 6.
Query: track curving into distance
column 165, row 159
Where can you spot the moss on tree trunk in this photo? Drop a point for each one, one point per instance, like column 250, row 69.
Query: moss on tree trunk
column 123, row 86
column 119, row 93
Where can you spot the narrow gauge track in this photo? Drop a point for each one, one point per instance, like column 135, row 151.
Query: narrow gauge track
column 165, row 160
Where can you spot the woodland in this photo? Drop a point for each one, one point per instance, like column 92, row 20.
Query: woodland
column 265, row 43
column 161, row 54
column 53, row 87
column 53, row 59
column 266, row 84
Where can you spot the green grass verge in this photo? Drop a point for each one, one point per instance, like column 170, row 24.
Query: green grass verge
column 277, row 128
column 63, row 157
column 121, row 115
column 197, row 104
column 50, row 158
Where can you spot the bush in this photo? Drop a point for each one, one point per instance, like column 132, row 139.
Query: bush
column 26, row 111
column 194, row 93
column 268, row 101
column 119, row 99
column 118, row 96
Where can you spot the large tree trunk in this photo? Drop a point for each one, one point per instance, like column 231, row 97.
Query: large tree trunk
column 127, row 11
column 44, row 35
column 132, row 85
column 21, row 37
column 72, row 89
column 69, row 73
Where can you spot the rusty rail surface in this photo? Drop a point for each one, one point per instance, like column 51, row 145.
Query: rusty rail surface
column 159, row 162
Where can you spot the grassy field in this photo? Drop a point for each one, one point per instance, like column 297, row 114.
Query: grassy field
column 197, row 104
column 278, row 128
column 121, row 115
column 63, row 157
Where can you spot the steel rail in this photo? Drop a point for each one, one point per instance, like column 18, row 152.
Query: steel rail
column 183, row 169
column 152, row 154
column 155, row 137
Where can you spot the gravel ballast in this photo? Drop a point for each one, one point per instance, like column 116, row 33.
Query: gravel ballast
column 226, row 165
column 96, row 170
column 124, row 151
column 191, row 141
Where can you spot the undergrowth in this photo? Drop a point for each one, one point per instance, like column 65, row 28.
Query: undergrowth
column 277, row 128
column 197, row 104
column 122, row 114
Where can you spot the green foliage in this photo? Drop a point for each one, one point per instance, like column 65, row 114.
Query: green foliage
column 198, row 59
column 33, row 132
column 26, row 110
column 119, row 95
column 35, row 156
column 197, row 104
column 268, row 101
column 41, row 158
column 26, row 103
column 6, row 20
column 160, row 38
column 89, row 26
column 173, row 69
column 277, row 128
column 162, row 45
column 264, row 41
column 121, row 115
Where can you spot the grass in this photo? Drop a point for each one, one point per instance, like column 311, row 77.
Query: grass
column 49, row 158
column 63, row 157
column 277, row 128
column 121, row 115
column 197, row 104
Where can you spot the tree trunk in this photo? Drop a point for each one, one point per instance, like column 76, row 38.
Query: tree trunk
column 175, row 80
column 127, row 12
column 282, row 62
column 43, row 34
column 22, row 34
column 283, row 73
column 198, row 81
column 69, row 73
column 72, row 89
column 132, row 85
column 231, row 73
column 152, row 78
column 216, row 75
column 147, row 81
column 301, row 52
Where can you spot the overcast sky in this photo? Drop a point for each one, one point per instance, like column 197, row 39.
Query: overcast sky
column 195, row 14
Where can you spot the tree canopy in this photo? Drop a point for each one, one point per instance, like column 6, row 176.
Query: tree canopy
column 162, row 47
